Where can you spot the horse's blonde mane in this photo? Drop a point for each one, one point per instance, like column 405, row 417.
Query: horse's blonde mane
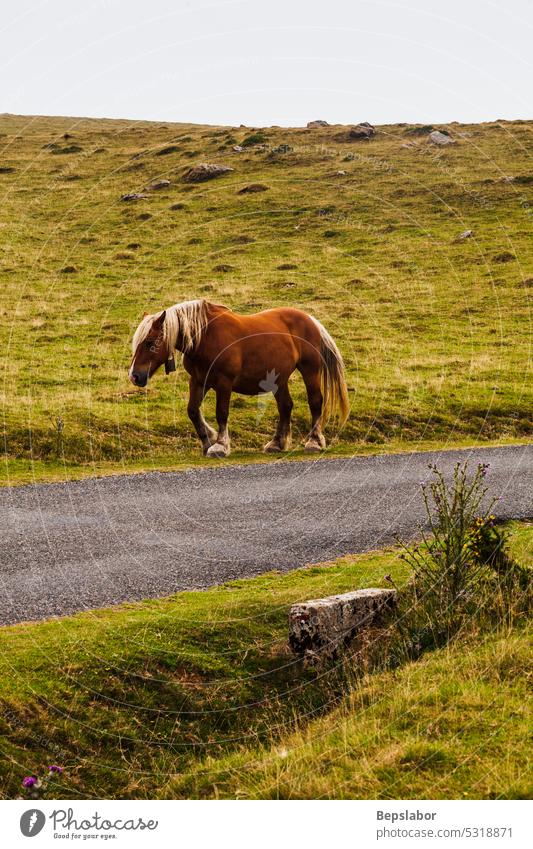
column 188, row 319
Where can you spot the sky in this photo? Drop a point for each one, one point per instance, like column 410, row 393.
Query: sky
column 274, row 62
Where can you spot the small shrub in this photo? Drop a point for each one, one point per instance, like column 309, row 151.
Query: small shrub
column 463, row 574
column 490, row 543
column 165, row 151
column 423, row 130
column 71, row 148
column 253, row 139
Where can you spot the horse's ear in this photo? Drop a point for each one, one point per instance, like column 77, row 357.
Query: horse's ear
column 158, row 322
column 145, row 314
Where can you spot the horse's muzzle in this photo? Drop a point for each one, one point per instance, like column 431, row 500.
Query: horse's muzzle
column 138, row 379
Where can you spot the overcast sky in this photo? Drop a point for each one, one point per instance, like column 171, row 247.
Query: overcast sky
column 270, row 62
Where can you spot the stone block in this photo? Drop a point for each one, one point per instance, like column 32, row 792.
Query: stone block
column 324, row 625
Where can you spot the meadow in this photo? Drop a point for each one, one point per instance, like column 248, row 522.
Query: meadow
column 197, row 696
column 435, row 329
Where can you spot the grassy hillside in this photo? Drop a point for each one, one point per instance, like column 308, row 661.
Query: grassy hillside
column 436, row 332
column 197, row 695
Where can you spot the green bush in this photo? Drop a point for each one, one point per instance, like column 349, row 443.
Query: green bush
column 463, row 575
column 254, row 138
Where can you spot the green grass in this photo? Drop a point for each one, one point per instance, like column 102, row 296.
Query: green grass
column 436, row 333
column 197, row 695
column 454, row 725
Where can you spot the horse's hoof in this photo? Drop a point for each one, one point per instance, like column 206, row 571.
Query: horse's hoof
column 272, row 447
column 312, row 446
column 217, row 450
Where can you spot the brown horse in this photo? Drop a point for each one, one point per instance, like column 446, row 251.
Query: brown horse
column 249, row 354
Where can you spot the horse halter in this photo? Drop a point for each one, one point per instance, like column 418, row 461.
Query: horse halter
column 170, row 364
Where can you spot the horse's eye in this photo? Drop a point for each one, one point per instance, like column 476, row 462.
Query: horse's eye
column 148, row 343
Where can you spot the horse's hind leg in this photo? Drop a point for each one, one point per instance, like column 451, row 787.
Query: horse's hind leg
column 315, row 440
column 221, row 448
column 282, row 437
column 205, row 432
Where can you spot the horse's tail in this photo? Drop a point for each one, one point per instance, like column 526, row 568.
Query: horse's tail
column 332, row 378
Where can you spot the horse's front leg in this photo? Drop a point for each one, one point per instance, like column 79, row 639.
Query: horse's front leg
column 221, row 447
column 206, row 433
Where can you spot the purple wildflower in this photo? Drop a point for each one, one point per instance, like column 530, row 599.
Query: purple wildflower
column 57, row 769
column 30, row 781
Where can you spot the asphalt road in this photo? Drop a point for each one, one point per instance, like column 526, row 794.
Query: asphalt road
column 74, row 546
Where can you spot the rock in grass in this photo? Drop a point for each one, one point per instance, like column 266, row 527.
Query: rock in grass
column 252, row 188
column 360, row 133
column 69, row 269
column 133, row 196
column 204, row 171
column 436, row 137
column 176, row 206
column 223, row 268
column 161, row 184
column 466, row 234
column 323, row 626
column 237, row 148
column 6, row 169
column 314, row 125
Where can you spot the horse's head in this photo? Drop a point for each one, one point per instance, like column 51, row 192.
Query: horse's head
column 150, row 350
